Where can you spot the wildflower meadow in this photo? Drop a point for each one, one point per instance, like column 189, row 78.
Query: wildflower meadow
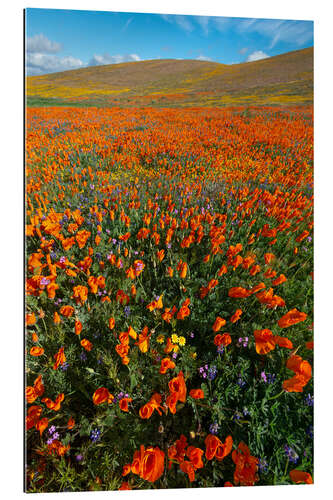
column 169, row 297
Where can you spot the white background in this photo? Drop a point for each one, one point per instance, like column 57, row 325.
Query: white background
column 11, row 234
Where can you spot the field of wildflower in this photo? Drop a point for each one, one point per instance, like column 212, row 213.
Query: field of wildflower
column 169, row 297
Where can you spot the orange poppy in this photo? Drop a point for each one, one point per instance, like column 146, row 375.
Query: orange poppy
column 299, row 476
column 30, row 319
column 71, row 423
column 123, row 403
column 67, row 311
column 101, row 395
column 60, row 358
column 54, row 405
column 86, row 344
column 219, row 322
column 238, row 292
column 78, row 327
column 224, row 339
column 235, row 317
column 197, row 393
column 166, row 364
column 41, row 425
column 291, row 318
column 177, row 385
column 36, row 351
column 246, row 466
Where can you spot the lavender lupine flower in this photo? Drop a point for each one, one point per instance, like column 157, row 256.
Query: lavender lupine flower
column 220, row 349
column 55, row 435
column 271, row 377
column 308, row 400
column 291, row 454
column 212, row 372
column 79, row 458
column 95, row 435
column 49, row 441
column 241, row 382
column 64, row 366
column 214, row 428
column 83, row 356
column 127, row 311
column 174, row 355
column 192, row 335
column 262, row 465
column 62, row 260
column 263, row 376
column 52, row 429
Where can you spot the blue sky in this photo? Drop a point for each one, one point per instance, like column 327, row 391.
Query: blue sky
column 58, row 40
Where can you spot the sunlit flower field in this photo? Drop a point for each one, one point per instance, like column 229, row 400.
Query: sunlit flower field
column 169, row 298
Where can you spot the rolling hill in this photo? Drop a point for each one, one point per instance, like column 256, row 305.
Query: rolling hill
column 282, row 79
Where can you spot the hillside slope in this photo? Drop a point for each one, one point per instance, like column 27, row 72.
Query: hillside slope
column 286, row 78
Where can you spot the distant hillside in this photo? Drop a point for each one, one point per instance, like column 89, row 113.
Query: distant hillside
column 283, row 79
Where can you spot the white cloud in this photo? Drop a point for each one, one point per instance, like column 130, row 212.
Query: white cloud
column 128, row 22
column 256, row 56
column 298, row 32
column 182, row 21
column 41, row 44
column 203, row 21
column 98, row 60
column 203, row 58
column 38, row 64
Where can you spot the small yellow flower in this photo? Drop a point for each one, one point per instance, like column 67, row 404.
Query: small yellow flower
column 160, row 339
column 176, row 348
column 174, row 338
column 181, row 341
column 194, row 355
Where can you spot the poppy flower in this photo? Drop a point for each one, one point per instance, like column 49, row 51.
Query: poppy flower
column 219, row 322
column 123, row 403
column 264, row 341
column 86, row 344
column 245, row 473
column 36, row 351
column 188, row 468
column 197, row 393
column 238, row 292
column 166, row 364
column 67, row 311
column 54, row 405
column 291, row 318
column 60, row 358
column 41, row 425
column 224, row 339
column 303, row 372
column 299, row 476
column 30, row 319
column 56, row 318
column 235, row 317
column 101, row 395
column 78, row 327
column 195, row 456
column 177, row 385
column 70, row 423
column 148, row 463
column 215, row 447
